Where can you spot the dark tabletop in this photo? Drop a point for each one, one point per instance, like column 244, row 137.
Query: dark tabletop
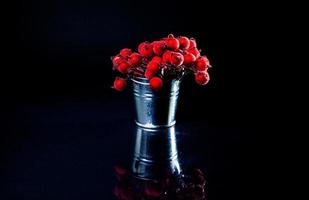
column 66, row 149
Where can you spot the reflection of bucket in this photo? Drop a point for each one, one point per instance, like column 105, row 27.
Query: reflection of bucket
column 155, row 152
column 155, row 109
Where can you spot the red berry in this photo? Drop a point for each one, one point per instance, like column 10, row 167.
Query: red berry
column 202, row 78
column 158, row 47
column 149, row 74
column 192, row 43
column 194, row 51
column 172, row 42
column 188, row 58
column 145, row 49
column 156, row 83
column 125, row 52
column 134, row 59
column 117, row 60
column 176, row 59
column 201, row 63
column 206, row 59
column 120, row 84
column 166, row 58
column 184, row 42
column 123, row 67
column 153, row 67
column 156, row 59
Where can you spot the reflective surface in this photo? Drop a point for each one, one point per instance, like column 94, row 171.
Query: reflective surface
column 155, row 152
column 65, row 149
column 156, row 172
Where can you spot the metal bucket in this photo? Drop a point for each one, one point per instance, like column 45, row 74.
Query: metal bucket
column 155, row 153
column 155, row 109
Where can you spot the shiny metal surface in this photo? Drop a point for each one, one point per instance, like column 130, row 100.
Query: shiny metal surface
column 155, row 109
column 155, row 152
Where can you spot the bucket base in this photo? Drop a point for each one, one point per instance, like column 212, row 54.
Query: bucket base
column 155, row 126
column 147, row 169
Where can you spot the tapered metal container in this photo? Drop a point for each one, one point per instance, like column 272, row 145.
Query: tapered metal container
column 155, row 153
column 155, row 109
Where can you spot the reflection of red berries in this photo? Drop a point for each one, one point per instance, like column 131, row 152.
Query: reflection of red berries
column 168, row 186
column 145, row 49
column 188, row 58
column 172, row 42
column 117, row 60
column 156, row 59
column 192, row 43
column 166, row 58
column 158, row 47
column 123, row 67
column 184, row 42
column 156, row 83
column 120, row 84
column 202, row 78
column 125, row 52
column 176, row 59
column 152, row 190
column 153, row 67
column 134, row 59
column 201, row 63
column 121, row 192
column 194, row 51
column 120, row 169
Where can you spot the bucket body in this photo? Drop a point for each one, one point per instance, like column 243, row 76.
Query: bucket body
column 155, row 109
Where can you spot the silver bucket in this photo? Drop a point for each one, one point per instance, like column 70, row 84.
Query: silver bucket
column 155, row 109
column 155, row 153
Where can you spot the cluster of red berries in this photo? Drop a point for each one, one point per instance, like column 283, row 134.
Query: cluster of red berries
column 168, row 58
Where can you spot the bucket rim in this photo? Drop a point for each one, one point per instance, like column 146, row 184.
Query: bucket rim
column 145, row 81
column 140, row 80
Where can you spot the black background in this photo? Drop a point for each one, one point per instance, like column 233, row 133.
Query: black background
column 62, row 48
column 59, row 68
